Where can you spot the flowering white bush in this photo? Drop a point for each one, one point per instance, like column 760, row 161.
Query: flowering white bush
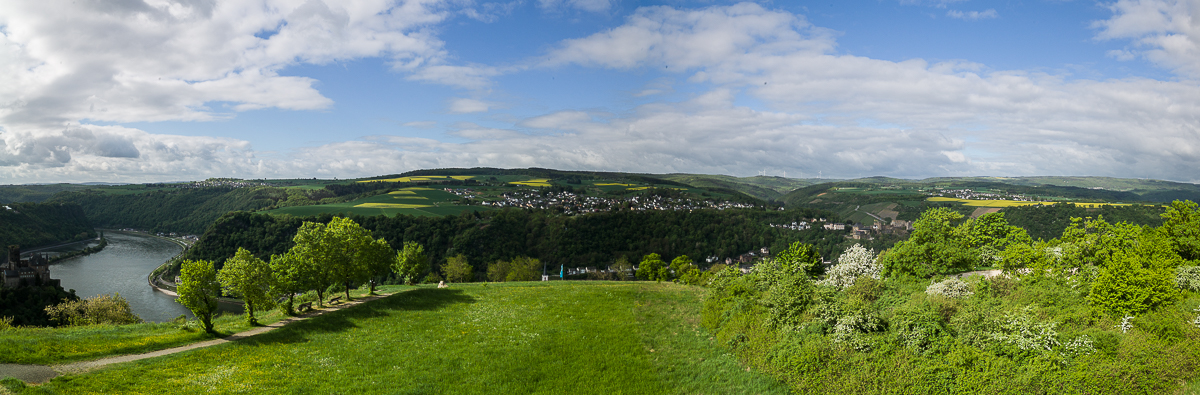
column 855, row 262
column 1021, row 330
column 1125, row 324
column 849, row 330
column 951, row 288
column 1188, row 277
column 1081, row 345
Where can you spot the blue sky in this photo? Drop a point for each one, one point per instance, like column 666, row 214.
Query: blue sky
column 164, row 90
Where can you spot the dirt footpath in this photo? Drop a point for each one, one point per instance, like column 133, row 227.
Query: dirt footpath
column 38, row 374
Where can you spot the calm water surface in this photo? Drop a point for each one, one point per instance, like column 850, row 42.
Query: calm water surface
column 122, row 268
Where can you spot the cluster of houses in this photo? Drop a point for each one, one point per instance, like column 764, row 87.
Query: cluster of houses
column 213, row 183
column 572, row 203
column 968, row 194
column 16, row 272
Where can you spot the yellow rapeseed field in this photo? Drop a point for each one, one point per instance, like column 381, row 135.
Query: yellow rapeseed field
column 1012, row 203
column 392, row 205
column 421, row 178
column 540, row 182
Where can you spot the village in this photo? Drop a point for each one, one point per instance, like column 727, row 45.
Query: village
column 572, row 204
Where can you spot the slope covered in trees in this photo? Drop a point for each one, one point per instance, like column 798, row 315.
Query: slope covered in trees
column 37, row 224
column 594, row 240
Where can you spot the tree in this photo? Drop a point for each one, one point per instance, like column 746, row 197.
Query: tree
column 801, row 257
column 411, row 262
column 524, row 268
column 685, row 271
column 198, row 290
column 247, row 277
column 377, row 257
column 1181, row 223
column 457, row 269
column 290, row 278
column 351, row 252
column 622, row 268
column 651, row 267
column 1136, row 270
column 935, row 247
column 309, row 256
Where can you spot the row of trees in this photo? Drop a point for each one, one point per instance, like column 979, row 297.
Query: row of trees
column 339, row 253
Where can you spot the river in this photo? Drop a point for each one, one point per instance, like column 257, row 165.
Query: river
column 122, row 267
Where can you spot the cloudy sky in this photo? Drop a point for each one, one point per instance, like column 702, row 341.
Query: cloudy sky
column 167, row 90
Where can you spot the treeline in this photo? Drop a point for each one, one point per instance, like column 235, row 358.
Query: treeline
column 26, row 306
column 38, row 224
column 595, row 240
column 1048, row 222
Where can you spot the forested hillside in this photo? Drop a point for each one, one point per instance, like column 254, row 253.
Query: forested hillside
column 38, row 224
column 1048, row 222
column 575, row 241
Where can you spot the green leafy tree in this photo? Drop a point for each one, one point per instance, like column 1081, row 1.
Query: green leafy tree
column 685, row 271
column 377, row 257
column 622, row 268
column 198, row 290
column 1136, row 270
column 524, row 268
column 936, row 246
column 651, row 267
column 1181, row 222
column 351, row 252
column 247, row 277
column 290, row 279
column 498, row 271
column 309, row 255
column 458, row 270
column 411, row 262
column 801, row 257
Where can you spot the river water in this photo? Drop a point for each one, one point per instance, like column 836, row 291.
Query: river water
column 122, row 267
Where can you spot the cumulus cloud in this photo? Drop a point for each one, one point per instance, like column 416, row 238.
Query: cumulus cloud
column 465, row 106
column 1165, row 32
column 160, row 60
column 973, row 15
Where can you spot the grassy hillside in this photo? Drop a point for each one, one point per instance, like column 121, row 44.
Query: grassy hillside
column 553, row 338
column 762, row 187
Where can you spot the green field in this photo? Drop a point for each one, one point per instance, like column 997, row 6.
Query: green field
column 553, row 338
column 420, row 201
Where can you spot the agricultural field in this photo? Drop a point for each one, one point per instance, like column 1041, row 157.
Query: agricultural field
column 1013, row 203
column 552, row 338
column 419, row 201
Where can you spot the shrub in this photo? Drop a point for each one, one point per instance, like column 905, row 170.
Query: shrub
column 1188, row 277
column 950, row 288
column 102, row 309
column 854, row 263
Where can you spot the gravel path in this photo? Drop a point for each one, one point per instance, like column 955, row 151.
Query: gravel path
column 38, row 374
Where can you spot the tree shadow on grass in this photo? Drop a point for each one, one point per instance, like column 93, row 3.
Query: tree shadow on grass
column 425, row 299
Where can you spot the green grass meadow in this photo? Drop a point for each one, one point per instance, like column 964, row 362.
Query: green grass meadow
column 556, row 337
column 436, row 202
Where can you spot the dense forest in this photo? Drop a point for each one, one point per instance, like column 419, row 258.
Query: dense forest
column 27, row 305
column 38, row 224
column 1048, row 222
column 594, row 240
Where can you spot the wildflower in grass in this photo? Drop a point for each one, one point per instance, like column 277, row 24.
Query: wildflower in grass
column 1125, row 324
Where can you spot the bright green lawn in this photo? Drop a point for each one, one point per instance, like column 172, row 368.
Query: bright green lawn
column 558, row 337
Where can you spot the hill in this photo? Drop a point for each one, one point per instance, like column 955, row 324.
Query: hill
column 559, row 337
column 38, row 224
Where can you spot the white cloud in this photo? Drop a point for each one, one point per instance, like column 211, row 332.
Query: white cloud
column 584, row 5
column 973, row 15
column 168, row 60
column 464, row 106
column 1165, row 32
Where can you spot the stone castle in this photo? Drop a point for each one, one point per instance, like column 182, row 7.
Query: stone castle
column 16, row 272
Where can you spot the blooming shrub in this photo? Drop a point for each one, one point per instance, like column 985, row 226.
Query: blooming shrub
column 1020, row 330
column 951, row 288
column 1188, row 277
column 854, row 263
